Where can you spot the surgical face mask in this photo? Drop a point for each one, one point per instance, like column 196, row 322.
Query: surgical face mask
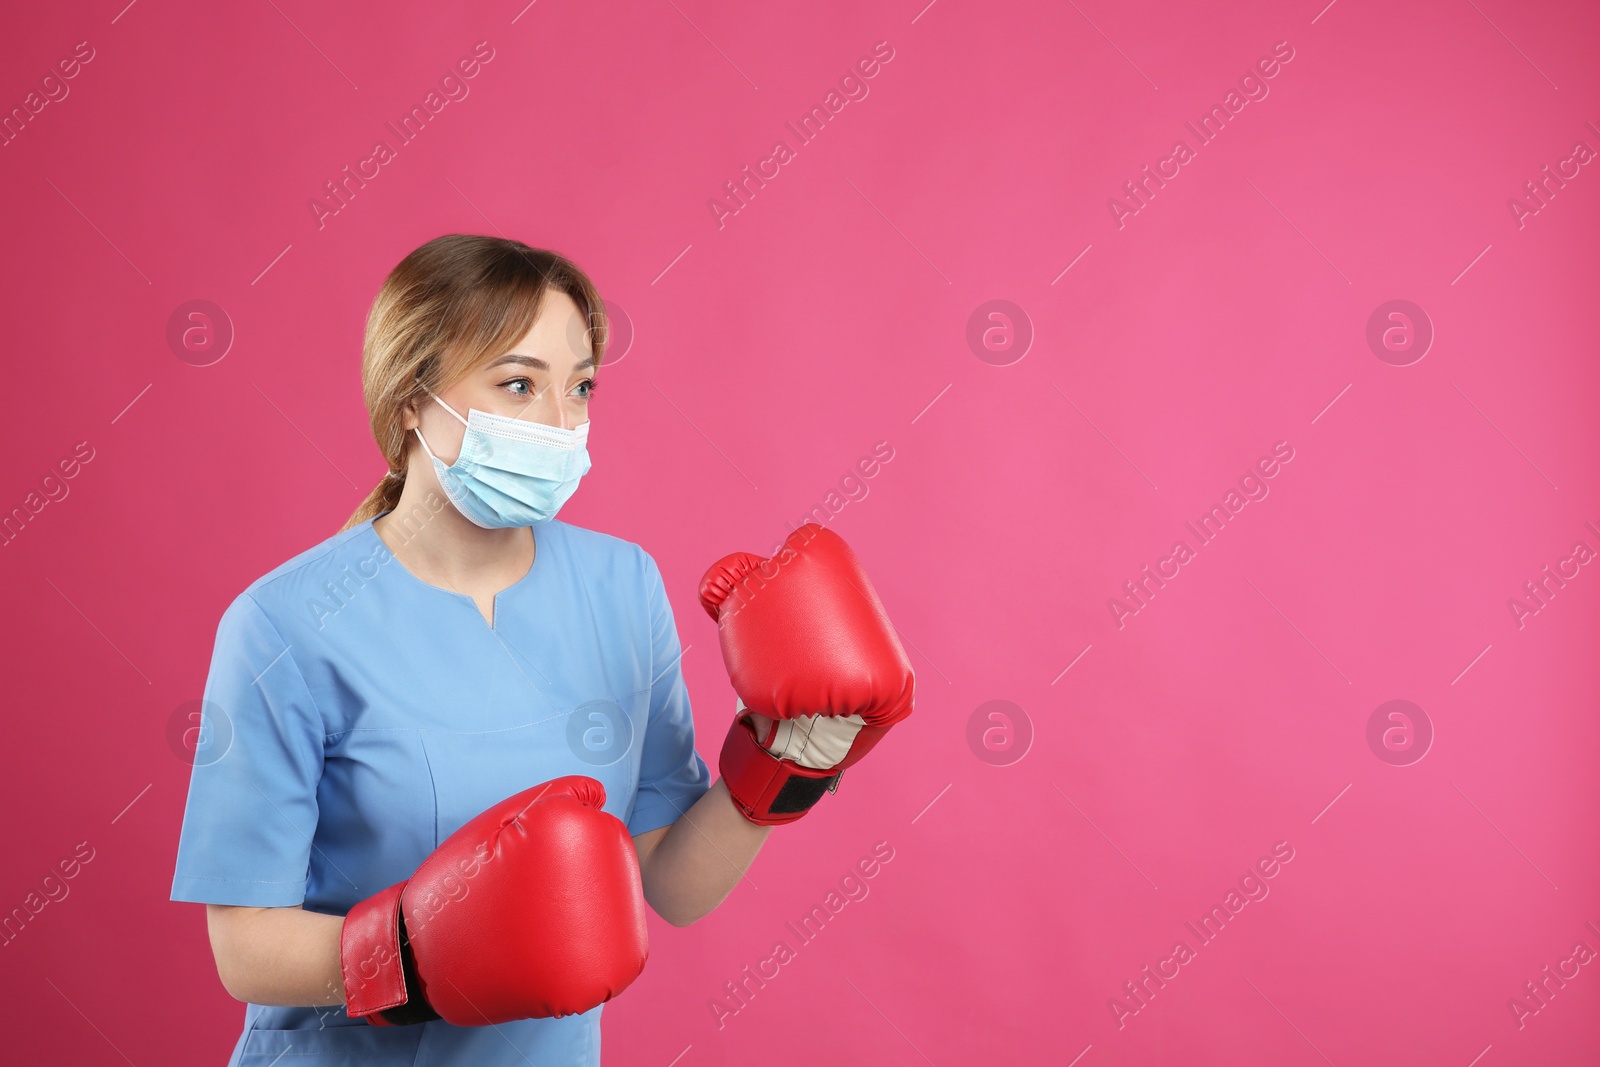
column 511, row 472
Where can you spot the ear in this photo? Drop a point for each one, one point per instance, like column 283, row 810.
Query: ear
column 410, row 414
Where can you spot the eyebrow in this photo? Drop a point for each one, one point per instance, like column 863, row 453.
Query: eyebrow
column 535, row 362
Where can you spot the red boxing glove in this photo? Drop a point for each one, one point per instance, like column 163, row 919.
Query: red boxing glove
column 818, row 670
column 533, row 909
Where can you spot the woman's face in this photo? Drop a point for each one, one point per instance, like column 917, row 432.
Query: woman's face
column 546, row 377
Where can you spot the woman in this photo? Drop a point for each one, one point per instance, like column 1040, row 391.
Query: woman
column 455, row 645
column 448, row 648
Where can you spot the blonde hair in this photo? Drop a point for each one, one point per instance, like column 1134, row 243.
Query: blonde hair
column 454, row 303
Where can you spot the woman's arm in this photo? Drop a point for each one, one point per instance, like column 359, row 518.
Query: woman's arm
column 287, row 957
column 290, row 957
column 690, row 867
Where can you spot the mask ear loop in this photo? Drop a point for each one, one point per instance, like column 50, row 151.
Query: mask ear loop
column 425, row 448
column 447, row 407
column 418, row 429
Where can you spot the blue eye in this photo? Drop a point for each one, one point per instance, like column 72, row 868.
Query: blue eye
column 524, row 388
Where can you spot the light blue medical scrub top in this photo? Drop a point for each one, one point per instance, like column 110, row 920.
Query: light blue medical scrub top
column 355, row 716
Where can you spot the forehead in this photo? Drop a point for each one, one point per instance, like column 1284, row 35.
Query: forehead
column 556, row 339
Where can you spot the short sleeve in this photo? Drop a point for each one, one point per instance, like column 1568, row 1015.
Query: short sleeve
column 672, row 776
column 252, row 808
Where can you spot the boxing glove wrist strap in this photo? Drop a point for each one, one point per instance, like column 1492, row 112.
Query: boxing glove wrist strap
column 380, row 971
column 767, row 790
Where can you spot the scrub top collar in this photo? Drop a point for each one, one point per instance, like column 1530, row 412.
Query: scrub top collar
column 540, row 546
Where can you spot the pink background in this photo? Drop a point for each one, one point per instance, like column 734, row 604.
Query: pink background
column 771, row 354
